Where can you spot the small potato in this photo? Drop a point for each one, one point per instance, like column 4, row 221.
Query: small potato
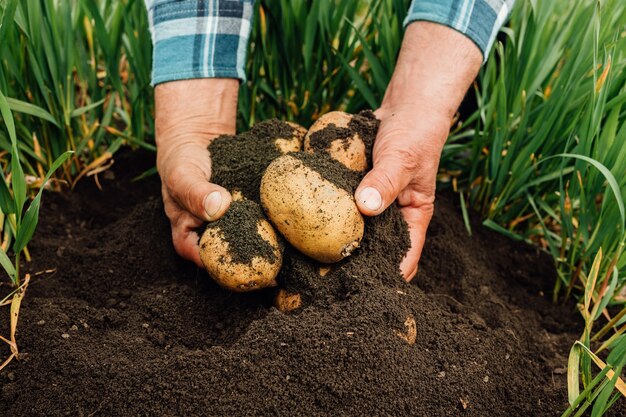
column 287, row 301
column 221, row 249
column 294, row 143
column 318, row 218
column 349, row 151
column 324, row 270
column 410, row 336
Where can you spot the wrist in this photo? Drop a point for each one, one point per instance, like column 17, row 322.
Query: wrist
column 195, row 111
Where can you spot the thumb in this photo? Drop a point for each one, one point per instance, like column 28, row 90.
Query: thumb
column 391, row 174
column 205, row 200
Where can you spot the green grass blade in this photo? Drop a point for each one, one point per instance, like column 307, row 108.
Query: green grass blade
column 18, row 184
column 82, row 110
column 6, row 264
column 31, row 217
column 6, row 199
column 607, row 175
column 27, row 108
column 495, row 226
column 573, row 371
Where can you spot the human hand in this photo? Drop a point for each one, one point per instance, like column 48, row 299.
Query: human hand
column 189, row 115
column 424, row 93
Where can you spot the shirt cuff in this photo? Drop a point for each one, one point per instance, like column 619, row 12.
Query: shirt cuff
column 479, row 20
column 199, row 39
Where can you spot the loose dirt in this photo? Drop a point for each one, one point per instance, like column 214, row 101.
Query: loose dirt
column 123, row 327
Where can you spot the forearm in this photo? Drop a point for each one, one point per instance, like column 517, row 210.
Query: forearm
column 435, row 68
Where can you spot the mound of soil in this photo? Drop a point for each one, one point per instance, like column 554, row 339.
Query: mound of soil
column 122, row 326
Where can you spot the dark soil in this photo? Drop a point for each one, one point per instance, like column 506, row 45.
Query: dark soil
column 123, row 327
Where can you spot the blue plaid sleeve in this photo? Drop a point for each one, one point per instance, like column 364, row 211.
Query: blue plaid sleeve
column 199, row 38
column 479, row 20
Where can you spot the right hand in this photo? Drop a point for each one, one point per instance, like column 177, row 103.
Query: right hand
column 189, row 115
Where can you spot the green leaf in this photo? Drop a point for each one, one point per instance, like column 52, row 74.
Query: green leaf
column 361, row 85
column 495, row 226
column 85, row 109
column 309, row 34
column 27, row 108
column 601, row 402
column 7, row 18
column 607, row 175
column 31, row 217
column 6, row 199
column 6, row 264
column 468, row 225
column 610, row 292
column 573, row 364
column 18, row 184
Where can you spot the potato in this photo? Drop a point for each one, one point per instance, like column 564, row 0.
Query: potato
column 287, row 301
column 226, row 244
column 294, row 143
column 349, row 151
column 318, row 218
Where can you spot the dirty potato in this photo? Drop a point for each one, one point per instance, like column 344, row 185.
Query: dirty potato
column 349, row 151
column 223, row 243
column 317, row 217
column 293, row 143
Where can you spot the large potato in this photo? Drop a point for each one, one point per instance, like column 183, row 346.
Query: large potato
column 247, row 260
column 318, row 218
column 347, row 148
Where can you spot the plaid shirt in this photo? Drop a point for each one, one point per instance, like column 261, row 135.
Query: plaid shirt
column 209, row 38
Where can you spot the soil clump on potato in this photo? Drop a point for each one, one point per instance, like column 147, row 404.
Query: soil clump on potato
column 239, row 228
column 114, row 323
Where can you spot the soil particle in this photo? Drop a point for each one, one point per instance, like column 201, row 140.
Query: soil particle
column 487, row 337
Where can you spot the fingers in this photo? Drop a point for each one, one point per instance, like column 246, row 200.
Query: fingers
column 417, row 219
column 185, row 241
column 193, row 192
column 391, row 174
column 183, row 225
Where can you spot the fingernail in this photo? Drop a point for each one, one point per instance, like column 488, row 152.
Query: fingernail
column 371, row 199
column 213, row 203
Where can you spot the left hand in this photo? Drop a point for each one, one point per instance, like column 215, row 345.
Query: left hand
column 435, row 68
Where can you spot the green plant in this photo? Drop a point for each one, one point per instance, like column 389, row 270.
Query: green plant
column 553, row 121
column 23, row 222
column 546, row 163
column 83, row 69
column 292, row 77
column 599, row 390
